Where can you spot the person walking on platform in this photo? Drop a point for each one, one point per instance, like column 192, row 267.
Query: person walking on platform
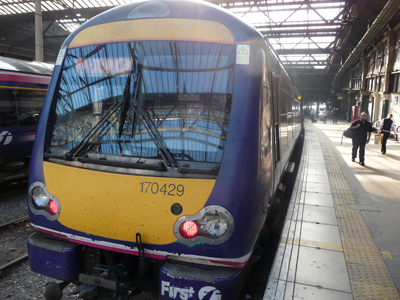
column 326, row 114
column 386, row 125
column 333, row 115
column 361, row 137
column 337, row 114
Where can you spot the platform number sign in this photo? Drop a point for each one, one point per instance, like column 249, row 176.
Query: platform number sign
column 243, row 54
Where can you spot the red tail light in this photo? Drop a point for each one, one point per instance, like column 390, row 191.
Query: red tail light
column 213, row 224
column 188, row 229
column 53, row 207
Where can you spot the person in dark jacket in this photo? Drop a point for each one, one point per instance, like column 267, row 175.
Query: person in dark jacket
column 386, row 125
column 337, row 114
column 333, row 112
column 362, row 135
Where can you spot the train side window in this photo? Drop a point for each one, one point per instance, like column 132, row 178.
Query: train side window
column 8, row 111
column 29, row 105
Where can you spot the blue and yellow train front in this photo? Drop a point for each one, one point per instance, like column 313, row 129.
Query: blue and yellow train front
column 146, row 162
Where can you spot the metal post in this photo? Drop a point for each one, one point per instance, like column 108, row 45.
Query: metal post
column 38, row 31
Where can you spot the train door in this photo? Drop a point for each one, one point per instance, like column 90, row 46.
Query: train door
column 267, row 137
column 284, row 95
column 276, row 126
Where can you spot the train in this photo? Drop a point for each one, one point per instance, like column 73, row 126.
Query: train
column 23, row 86
column 164, row 135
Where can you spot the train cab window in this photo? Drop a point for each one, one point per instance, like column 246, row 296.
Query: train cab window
column 146, row 95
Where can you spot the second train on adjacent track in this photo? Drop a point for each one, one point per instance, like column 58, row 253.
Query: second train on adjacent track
column 165, row 132
column 23, row 86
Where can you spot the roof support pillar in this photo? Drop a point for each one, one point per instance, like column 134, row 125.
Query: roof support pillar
column 364, row 64
column 351, row 98
column 38, row 31
column 391, row 44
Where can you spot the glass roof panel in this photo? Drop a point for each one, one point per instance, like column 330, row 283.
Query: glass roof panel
column 302, row 26
column 289, row 24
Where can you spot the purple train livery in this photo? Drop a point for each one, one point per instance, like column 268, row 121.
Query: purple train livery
column 164, row 135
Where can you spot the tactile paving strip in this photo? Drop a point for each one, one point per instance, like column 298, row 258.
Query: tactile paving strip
column 365, row 291
column 369, row 276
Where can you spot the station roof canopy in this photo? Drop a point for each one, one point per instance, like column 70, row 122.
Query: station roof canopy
column 313, row 38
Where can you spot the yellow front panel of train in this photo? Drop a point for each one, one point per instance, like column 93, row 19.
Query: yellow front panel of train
column 118, row 206
column 153, row 29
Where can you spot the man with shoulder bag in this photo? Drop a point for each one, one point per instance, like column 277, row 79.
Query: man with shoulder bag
column 361, row 136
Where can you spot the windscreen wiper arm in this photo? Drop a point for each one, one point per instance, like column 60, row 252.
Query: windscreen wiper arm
column 126, row 99
column 79, row 147
column 155, row 136
column 130, row 99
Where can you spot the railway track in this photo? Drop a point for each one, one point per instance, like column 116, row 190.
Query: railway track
column 16, row 221
column 23, row 257
column 13, row 262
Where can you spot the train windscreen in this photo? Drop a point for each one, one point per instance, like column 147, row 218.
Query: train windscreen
column 133, row 98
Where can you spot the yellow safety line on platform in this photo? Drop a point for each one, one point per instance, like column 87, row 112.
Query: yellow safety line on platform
column 369, row 276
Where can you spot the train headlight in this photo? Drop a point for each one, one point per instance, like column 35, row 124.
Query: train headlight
column 213, row 224
column 41, row 202
column 39, row 196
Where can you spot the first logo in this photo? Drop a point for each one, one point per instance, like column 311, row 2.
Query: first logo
column 5, row 137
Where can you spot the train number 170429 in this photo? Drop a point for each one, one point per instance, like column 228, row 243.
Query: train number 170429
column 167, row 189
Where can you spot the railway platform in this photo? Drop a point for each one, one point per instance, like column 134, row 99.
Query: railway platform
column 341, row 237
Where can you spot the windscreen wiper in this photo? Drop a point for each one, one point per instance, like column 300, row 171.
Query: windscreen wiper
column 160, row 166
column 126, row 99
column 130, row 99
column 76, row 151
column 155, row 136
